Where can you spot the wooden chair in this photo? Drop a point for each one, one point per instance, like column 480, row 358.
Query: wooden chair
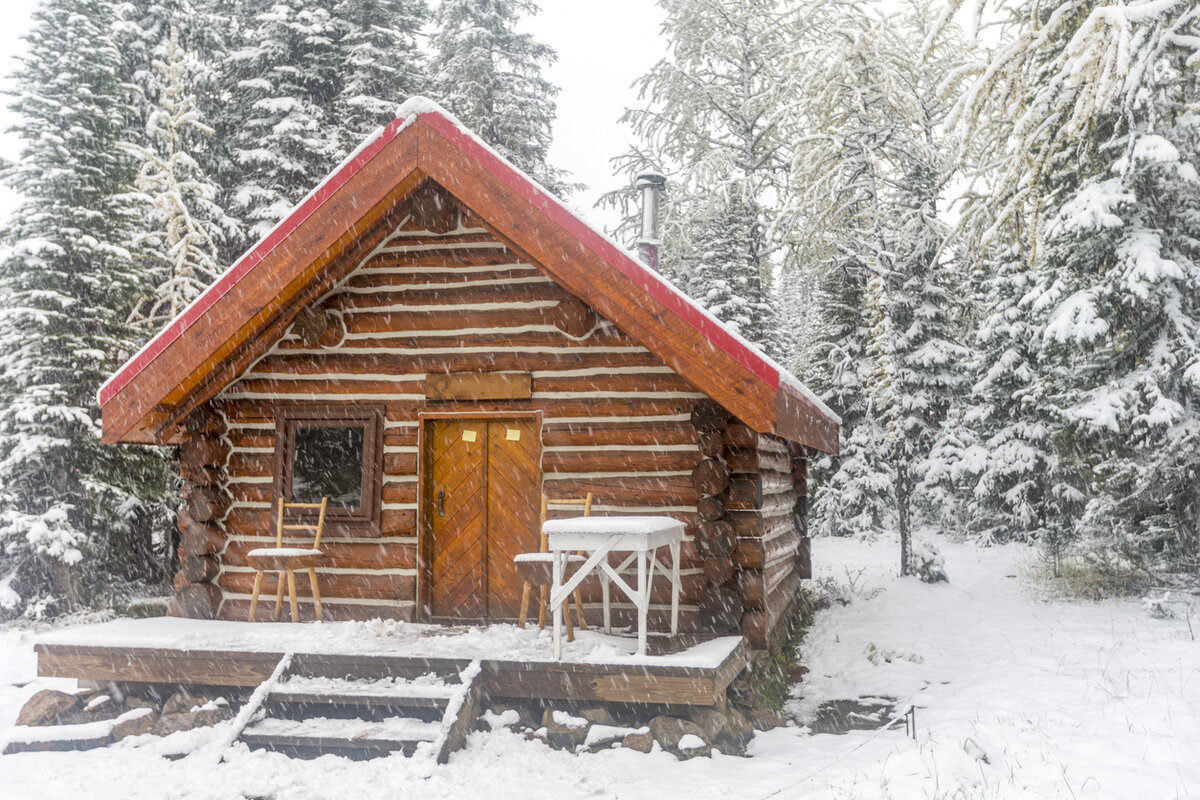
column 536, row 569
column 289, row 559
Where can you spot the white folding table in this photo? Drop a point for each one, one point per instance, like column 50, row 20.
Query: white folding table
column 640, row 537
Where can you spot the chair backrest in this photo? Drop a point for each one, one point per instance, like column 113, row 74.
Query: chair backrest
column 317, row 529
column 586, row 502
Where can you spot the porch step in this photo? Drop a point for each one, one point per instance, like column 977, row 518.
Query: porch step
column 365, row 715
column 315, row 735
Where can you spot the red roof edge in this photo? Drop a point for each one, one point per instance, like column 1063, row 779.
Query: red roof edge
column 250, row 259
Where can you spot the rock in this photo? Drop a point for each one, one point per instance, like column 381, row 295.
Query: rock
column 182, row 702
column 692, row 746
column 564, row 730
column 642, row 742
column 667, row 731
column 187, row 720
column 764, row 719
column 710, row 720
column 134, row 723
column 45, row 707
column 598, row 716
column 796, row 674
column 132, row 702
column 738, row 732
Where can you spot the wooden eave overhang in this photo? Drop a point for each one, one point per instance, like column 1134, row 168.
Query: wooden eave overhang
column 251, row 304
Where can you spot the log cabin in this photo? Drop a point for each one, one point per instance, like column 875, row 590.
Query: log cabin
column 431, row 329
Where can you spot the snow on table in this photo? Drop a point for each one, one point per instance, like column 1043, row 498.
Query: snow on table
column 379, row 637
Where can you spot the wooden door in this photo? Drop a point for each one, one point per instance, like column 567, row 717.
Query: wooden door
column 481, row 501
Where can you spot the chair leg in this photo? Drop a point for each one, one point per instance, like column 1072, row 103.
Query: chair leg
column 278, row 595
column 525, row 587
column 254, row 595
column 579, row 610
column 292, row 596
column 545, row 601
column 316, row 592
column 566, row 607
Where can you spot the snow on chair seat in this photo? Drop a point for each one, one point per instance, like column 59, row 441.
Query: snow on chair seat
column 537, row 569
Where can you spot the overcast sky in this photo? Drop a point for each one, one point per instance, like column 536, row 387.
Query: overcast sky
column 602, row 48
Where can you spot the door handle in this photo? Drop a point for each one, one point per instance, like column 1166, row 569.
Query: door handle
column 441, row 502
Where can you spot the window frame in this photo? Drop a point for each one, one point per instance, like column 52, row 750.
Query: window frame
column 361, row 522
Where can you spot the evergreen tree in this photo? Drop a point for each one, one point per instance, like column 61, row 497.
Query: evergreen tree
column 1101, row 166
column 490, row 77
column 183, row 225
column 76, row 513
column 383, row 63
column 720, row 273
column 717, row 120
column 868, row 174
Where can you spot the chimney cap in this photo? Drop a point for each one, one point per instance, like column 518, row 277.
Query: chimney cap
column 650, row 177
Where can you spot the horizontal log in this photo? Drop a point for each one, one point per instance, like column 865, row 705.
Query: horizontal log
column 592, row 407
column 376, row 554
column 804, row 558
column 708, row 415
column 204, row 421
column 202, row 476
column 757, row 525
column 200, row 539
column 418, row 355
column 739, row 435
column 764, row 490
column 759, row 626
column 617, row 461
column 710, row 508
column 202, row 451
column 502, row 271
column 754, row 553
column 613, row 383
column 237, row 609
column 710, row 476
column 259, row 522
column 371, row 586
column 672, row 490
column 206, row 504
column 754, row 586
column 715, row 538
column 465, row 295
column 741, row 459
column 575, row 317
column 195, row 601
column 711, row 444
column 196, row 569
column 720, row 610
column 718, row 570
column 660, row 591
column 635, row 434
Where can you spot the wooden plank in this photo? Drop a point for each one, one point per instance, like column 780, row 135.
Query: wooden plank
column 479, row 386
column 153, row 665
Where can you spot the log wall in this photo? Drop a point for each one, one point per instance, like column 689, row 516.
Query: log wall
column 616, row 421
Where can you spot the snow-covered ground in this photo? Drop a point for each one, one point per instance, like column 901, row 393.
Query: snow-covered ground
column 1016, row 697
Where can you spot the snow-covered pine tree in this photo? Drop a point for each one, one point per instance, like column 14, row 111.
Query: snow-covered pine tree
column 282, row 78
column 78, row 517
column 383, row 62
column 1102, row 163
column 184, row 227
column 867, row 178
column 490, row 77
column 716, row 119
column 721, row 274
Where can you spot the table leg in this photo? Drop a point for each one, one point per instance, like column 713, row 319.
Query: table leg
column 605, row 585
column 674, row 588
column 643, row 602
column 556, row 571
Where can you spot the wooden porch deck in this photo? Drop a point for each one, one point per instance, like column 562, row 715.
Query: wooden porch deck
column 677, row 671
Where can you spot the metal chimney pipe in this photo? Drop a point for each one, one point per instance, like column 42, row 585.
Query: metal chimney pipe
column 651, row 183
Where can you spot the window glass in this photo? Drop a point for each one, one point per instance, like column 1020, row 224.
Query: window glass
column 328, row 462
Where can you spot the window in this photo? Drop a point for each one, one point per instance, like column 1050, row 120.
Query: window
column 332, row 451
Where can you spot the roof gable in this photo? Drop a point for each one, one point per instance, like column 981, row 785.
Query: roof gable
column 307, row 253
